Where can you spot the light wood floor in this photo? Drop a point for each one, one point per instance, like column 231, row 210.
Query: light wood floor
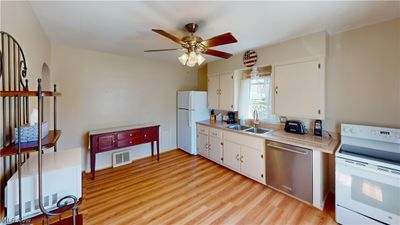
column 185, row 189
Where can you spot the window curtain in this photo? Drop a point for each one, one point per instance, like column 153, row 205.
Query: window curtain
column 244, row 99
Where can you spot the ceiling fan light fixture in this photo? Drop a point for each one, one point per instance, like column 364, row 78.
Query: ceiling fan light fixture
column 183, row 58
column 200, row 59
column 192, row 60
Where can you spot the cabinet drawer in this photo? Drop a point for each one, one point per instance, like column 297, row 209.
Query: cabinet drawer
column 202, row 129
column 129, row 134
column 243, row 139
column 215, row 133
column 105, row 142
column 129, row 142
column 150, row 134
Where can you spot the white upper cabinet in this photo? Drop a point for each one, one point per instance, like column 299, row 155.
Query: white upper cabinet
column 221, row 92
column 226, row 97
column 213, row 92
column 300, row 89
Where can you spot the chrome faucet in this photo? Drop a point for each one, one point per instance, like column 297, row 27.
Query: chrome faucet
column 256, row 120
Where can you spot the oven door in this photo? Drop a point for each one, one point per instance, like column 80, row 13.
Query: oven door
column 368, row 190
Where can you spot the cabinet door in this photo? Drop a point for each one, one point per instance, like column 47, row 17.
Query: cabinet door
column 215, row 149
column 226, row 98
column 300, row 89
column 232, row 155
column 252, row 163
column 106, row 142
column 213, row 92
column 202, row 144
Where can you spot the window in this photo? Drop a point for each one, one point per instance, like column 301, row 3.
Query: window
column 260, row 98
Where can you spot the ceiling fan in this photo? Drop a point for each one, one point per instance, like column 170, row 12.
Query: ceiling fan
column 194, row 45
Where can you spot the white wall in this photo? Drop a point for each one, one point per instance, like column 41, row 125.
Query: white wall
column 101, row 90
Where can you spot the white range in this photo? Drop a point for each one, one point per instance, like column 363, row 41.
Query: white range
column 368, row 175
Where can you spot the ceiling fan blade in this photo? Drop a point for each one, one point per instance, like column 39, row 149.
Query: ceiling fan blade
column 162, row 50
column 217, row 53
column 222, row 39
column 168, row 35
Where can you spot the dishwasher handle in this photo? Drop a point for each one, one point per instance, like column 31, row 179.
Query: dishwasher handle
column 287, row 149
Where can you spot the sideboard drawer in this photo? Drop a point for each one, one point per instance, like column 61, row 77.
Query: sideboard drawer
column 150, row 134
column 129, row 142
column 129, row 134
column 106, row 142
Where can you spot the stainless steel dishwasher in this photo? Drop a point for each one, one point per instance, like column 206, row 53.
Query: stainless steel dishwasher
column 289, row 169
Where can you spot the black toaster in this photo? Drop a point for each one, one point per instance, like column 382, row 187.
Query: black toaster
column 294, row 126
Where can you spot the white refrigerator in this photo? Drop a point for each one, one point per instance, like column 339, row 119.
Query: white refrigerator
column 192, row 107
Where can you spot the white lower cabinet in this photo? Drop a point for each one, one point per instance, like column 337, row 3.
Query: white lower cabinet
column 215, row 149
column 252, row 163
column 232, row 155
column 202, row 144
column 209, row 143
column 239, row 152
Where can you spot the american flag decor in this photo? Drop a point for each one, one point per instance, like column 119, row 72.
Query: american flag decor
column 250, row 58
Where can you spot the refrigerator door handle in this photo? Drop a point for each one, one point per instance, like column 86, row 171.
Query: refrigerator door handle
column 190, row 109
column 190, row 118
column 190, row 103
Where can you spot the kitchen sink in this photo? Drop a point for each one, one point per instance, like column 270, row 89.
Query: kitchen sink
column 238, row 127
column 257, row 130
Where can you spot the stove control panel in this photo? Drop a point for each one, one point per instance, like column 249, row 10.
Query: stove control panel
column 372, row 133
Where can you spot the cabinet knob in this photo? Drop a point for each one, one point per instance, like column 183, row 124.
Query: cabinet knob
column 262, row 175
column 237, row 157
column 130, row 142
column 130, row 135
column 222, row 143
column 145, row 135
column 241, row 158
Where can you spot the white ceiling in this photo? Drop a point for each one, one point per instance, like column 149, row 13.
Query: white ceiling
column 124, row 28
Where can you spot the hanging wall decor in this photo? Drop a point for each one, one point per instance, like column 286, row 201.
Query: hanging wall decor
column 249, row 58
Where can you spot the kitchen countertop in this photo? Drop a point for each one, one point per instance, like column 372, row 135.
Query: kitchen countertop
column 324, row 144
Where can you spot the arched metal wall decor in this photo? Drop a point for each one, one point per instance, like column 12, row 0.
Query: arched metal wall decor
column 15, row 112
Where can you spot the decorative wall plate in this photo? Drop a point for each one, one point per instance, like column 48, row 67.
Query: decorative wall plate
column 249, row 58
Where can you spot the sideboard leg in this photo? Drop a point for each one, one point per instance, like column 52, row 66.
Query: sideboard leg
column 93, row 164
column 152, row 148
column 158, row 149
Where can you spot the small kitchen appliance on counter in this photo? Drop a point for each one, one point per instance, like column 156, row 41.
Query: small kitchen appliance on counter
column 318, row 128
column 368, row 175
column 295, row 126
column 231, row 117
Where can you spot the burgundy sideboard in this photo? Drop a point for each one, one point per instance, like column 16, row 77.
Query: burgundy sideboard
column 122, row 137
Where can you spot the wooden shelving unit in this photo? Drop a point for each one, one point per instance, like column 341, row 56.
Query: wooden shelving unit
column 28, row 93
column 47, row 142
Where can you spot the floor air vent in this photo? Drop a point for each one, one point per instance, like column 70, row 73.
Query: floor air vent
column 121, row 158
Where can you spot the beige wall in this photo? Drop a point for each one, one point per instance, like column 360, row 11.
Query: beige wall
column 302, row 47
column 102, row 90
column 363, row 76
column 363, row 72
column 202, row 79
column 18, row 19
